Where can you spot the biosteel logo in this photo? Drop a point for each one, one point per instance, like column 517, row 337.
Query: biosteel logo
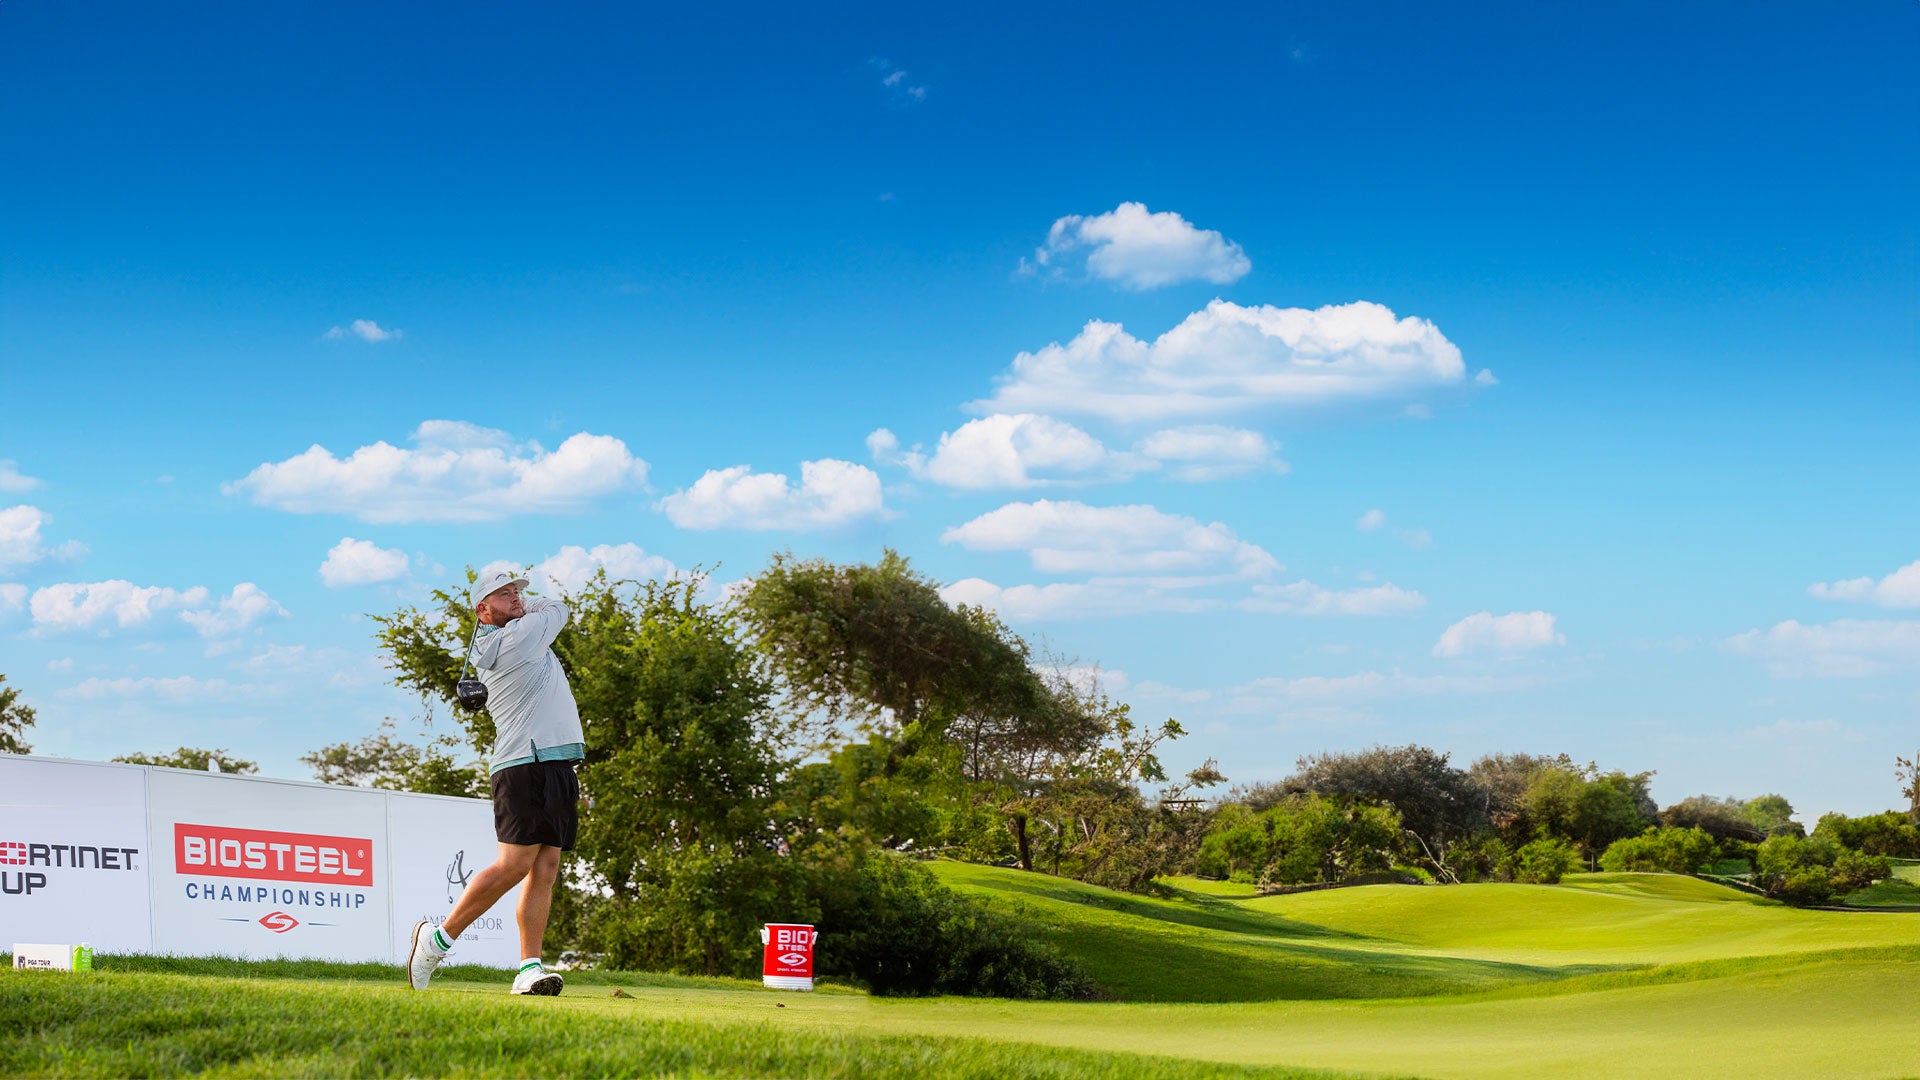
column 218, row 851
column 279, row 921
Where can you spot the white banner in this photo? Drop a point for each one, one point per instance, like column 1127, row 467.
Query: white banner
column 438, row 845
column 265, row 868
column 74, row 854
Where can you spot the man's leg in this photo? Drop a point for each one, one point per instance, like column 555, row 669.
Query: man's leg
column 430, row 946
column 509, row 868
column 536, row 900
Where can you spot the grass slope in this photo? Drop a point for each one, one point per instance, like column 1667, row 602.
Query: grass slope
column 130, row 1023
column 1618, row 975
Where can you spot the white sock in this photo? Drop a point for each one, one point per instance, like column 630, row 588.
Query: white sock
column 531, row 962
column 441, row 941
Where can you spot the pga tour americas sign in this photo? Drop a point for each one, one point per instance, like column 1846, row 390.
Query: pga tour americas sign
column 133, row 859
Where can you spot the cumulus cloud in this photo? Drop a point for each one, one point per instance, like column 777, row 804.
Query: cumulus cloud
column 365, row 329
column 1028, row 450
column 1900, row 589
column 11, row 479
column 456, row 472
column 70, row 606
column 83, row 605
column 21, row 544
column 569, row 569
column 1227, row 358
column 1371, row 520
column 13, row 597
column 1073, row 600
column 1018, row 450
column 1306, row 598
column 1139, row 249
column 1074, row 538
column 1844, row 648
column 246, row 605
column 1204, row 452
column 361, row 562
column 1506, row 635
column 831, row 493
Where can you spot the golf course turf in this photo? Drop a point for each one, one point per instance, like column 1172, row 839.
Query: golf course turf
column 1607, row 975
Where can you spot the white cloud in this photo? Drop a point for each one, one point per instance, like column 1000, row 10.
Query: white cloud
column 1027, row 450
column 64, row 663
column 1022, row 450
column 82, row 605
column 21, row 544
column 569, row 569
column 177, row 688
column 1227, row 358
column 1371, row 520
column 1900, row 589
column 1074, row 538
column 1073, row 600
column 365, row 329
column 246, row 605
column 361, row 562
column 457, row 472
column 901, row 91
column 831, row 493
column 11, row 479
column 1138, row 249
column 13, row 597
column 1306, row 598
column 1506, row 635
column 1203, row 452
column 1844, row 648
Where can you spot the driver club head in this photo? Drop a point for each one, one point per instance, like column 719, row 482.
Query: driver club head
column 472, row 694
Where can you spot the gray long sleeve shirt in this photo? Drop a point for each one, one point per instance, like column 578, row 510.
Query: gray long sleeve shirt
column 534, row 715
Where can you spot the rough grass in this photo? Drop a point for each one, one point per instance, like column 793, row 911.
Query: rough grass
column 1623, row 975
column 128, row 1023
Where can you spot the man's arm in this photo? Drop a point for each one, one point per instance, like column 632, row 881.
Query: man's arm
column 538, row 628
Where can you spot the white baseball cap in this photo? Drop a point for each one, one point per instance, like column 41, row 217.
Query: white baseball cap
column 488, row 584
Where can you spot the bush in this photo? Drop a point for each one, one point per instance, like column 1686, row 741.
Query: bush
column 1665, row 849
column 1540, row 862
column 1478, row 859
column 1888, row 833
column 1814, row 870
column 888, row 924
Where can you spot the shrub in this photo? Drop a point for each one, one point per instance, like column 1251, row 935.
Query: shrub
column 1668, row 849
column 1814, row 869
column 1540, row 862
column 1888, row 833
column 888, row 924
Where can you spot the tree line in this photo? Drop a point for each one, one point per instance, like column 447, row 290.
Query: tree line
column 783, row 754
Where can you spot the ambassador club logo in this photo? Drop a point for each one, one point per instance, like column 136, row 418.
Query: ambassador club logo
column 457, row 876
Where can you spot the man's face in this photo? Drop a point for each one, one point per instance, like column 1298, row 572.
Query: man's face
column 502, row 606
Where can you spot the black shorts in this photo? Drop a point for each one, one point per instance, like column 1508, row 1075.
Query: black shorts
column 537, row 803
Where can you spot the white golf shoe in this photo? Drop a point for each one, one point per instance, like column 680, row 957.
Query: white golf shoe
column 538, row 980
column 424, row 956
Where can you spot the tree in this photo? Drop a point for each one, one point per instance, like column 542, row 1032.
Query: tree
column 1907, row 772
column 1592, row 813
column 16, row 717
column 1721, row 818
column 1503, row 780
column 1888, row 833
column 189, row 757
column 384, row 761
column 1437, row 804
column 1772, row 815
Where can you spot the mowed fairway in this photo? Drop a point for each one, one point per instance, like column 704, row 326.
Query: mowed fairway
column 1610, row 975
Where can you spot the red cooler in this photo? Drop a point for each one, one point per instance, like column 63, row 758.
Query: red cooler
column 789, row 957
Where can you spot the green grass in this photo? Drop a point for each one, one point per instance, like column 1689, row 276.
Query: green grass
column 1622, row 975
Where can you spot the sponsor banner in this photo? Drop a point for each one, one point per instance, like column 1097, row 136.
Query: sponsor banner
column 438, row 845
column 74, row 854
column 262, row 868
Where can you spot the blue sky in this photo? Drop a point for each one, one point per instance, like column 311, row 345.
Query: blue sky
column 1200, row 303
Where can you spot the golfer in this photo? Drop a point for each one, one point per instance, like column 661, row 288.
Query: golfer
column 537, row 740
